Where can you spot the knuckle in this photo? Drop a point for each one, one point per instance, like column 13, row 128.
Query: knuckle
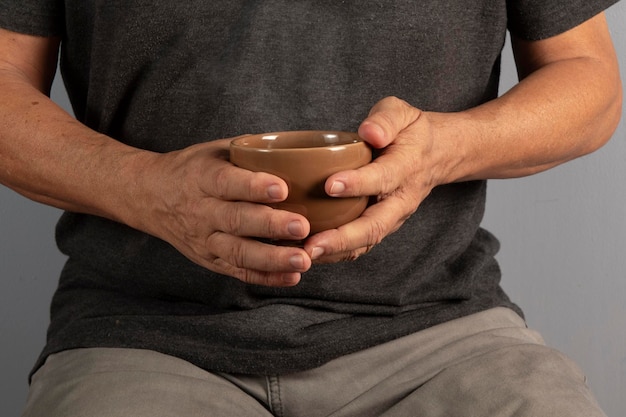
column 387, row 175
column 396, row 101
column 271, row 224
column 249, row 277
column 353, row 255
column 226, row 251
column 387, row 179
column 343, row 244
column 209, row 250
column 233, row 218
column 244, row 275
column 219, row 182
column 377, row 231
column 237, row 254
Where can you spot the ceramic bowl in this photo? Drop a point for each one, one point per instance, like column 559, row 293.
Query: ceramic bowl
column 304, row 160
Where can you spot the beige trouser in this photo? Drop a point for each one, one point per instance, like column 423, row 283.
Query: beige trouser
column 487, row 364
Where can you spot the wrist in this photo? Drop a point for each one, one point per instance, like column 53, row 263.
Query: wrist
column 452, row 133
column 138, row 189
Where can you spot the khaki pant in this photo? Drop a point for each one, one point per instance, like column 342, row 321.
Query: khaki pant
column 487, row 364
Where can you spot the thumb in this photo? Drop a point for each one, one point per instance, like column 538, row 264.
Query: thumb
column 386, row 120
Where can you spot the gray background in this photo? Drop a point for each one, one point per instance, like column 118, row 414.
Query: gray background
column 563, row 256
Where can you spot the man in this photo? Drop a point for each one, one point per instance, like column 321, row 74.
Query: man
column 168, row 305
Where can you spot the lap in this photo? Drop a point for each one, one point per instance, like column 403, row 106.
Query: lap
column 487, row 364
column 518, row 380
column 128, row 382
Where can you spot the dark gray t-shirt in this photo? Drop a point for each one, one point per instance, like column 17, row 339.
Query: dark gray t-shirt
column 163, row 75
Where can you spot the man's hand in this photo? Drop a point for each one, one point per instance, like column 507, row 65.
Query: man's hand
column 209, row 210
column 400, row 178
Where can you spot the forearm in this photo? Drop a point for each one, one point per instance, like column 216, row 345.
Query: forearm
column 48, row 156
column 560, row 112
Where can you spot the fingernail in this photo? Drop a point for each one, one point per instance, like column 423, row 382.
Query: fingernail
column 274, row 192
column 295, row 228
column 338, row 187
column 317, row 252
column 297, row 261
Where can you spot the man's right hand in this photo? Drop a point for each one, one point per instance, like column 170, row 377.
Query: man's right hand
column 210, row 210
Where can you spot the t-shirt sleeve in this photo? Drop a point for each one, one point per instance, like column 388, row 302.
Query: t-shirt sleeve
column 541, row 19
column 33, row 17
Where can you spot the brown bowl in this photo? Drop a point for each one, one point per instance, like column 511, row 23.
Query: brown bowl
column 304, row 160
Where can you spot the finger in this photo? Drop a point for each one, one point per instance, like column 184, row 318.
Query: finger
column 386, row 120
column 384, row 175
column 228, row 182
column 359, row 236
column 250, row 260
column 240, row 258
column 267, row 279
column 256, row 220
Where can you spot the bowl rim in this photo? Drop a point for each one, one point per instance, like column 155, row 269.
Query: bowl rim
column 240, row 141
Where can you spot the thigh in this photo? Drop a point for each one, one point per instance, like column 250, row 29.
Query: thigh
column 521, row 380
column 129, row 382
column 487, row 364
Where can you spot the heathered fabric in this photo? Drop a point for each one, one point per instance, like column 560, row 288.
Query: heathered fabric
column 163, row 75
